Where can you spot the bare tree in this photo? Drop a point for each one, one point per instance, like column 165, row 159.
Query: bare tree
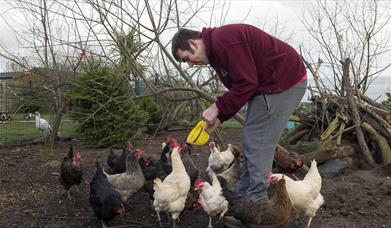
column 50, row 44
column 347, row 29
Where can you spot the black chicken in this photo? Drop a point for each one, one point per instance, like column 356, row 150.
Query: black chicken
column 104, row 199
column 117, row 163
column 70, row 173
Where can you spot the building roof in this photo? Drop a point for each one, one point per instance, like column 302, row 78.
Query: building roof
column 9, row 75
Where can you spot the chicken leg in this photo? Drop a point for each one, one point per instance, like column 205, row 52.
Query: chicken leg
column 173, row 223
column 309, row 222
column 159, row 219
column 210, row 222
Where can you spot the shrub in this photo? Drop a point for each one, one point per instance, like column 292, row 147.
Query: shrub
column 104, row 109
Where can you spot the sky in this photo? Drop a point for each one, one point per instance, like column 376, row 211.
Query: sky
column 262, row 13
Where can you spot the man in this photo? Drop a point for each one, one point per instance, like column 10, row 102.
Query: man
column 258, row 69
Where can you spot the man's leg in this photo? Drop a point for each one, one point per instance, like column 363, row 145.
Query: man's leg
column 267, row 116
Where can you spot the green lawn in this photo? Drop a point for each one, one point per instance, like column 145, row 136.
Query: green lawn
column 20, row 129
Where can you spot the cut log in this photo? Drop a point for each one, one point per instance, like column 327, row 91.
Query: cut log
column 288, row 162
column 325, row 154
column 381, row 141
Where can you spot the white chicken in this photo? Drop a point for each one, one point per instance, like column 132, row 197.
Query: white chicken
column 171, row 194
column 211, row 197
column 305, row 194
column 219, row 161
column 41, row 124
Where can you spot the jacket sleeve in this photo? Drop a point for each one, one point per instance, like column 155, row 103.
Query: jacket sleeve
column 238, row 60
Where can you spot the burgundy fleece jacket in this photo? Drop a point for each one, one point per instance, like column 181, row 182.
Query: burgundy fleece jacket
column 250, row 62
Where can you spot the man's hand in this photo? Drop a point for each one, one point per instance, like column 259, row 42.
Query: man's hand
column 210, row 117
column 210, row 129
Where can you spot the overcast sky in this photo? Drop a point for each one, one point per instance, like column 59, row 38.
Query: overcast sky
column 262, row 13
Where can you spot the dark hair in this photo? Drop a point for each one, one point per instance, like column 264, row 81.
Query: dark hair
column 179, row 41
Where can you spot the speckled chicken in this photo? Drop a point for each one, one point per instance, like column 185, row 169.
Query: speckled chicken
column 129, row 182
column 231, row 176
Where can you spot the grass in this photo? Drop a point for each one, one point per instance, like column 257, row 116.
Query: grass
column 20, row 130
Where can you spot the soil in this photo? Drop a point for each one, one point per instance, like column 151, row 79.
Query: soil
column 31, row 196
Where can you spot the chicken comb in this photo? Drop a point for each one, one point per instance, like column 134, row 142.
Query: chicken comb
column 169, row 138
column 130, row 146
column 199, row 181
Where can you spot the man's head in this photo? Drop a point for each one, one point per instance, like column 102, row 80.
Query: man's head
column 187, row 46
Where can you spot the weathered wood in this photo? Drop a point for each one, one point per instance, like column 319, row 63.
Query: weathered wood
column 325, row 154
column 378, row 127
column 373, row 103
column 294, row 138
column 295, row 134
column 288, row 161
column 354, row 113
column 330, row 129
column 381, row 141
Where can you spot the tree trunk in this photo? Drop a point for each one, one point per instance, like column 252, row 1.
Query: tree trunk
column 354, row 113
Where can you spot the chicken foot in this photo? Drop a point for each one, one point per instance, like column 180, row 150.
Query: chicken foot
column 69, row 195
column 102, row 224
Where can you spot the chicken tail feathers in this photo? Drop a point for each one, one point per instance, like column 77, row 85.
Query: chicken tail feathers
column 70, row 152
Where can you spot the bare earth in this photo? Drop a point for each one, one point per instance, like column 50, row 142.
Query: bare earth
column 30, row 196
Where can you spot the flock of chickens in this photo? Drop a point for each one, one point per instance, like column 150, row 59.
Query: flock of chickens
column 173, row 184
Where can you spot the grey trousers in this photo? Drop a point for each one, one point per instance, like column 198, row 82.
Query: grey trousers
column 266, row 118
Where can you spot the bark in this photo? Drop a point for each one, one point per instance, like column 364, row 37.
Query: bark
column 381, row 141
column 355, row 114
column 325, row 154
column 287, row 161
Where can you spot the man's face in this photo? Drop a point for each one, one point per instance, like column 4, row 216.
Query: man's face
column 196, row 57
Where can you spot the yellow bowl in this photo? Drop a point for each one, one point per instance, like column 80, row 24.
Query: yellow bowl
column 198, row 136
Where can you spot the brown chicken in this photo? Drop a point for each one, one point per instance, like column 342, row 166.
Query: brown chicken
column 273, row 213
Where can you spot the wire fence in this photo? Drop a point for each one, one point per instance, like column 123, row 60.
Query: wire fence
column 18, row 103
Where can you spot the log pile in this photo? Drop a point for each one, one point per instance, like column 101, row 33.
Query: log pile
column 338, row 126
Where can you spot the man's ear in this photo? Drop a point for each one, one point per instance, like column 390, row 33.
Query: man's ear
column 192, row 43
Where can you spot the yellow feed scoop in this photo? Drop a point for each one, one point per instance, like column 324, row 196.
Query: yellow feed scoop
column 198, row 136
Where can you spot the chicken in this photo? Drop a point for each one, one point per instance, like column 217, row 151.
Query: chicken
column 130, row 181
column 70, row 171
column 104, row 199
column 219, row 161
column 41, row 124
column 191, row 169
column 170, row 195
column 117, row 163
column 231, row 176
column 165, row 154
column 272, row 213
column 148, row 167
column 305, row 194
column 211, row 198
